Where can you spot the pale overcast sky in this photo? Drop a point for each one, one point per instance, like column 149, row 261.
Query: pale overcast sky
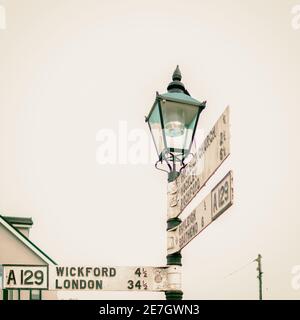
column 71, row 68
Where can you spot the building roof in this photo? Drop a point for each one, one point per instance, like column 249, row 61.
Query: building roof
column 8, row 225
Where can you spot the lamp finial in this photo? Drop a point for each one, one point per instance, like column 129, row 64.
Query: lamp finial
column 177, row 74
column 176, row 85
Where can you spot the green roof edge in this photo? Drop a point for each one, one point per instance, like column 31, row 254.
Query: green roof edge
column 19, row 220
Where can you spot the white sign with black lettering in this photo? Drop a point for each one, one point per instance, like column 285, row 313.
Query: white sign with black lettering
column 25, row 277
column 85, row 278
column 222, row 196
column 108, row 278
column 213, row 151
column 210, row 208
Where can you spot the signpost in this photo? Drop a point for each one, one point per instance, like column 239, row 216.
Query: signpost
column 85, row 278
column 212, row 153
column 210, row 208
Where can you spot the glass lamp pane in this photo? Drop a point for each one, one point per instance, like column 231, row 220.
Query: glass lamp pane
column 179, row 122
column 189, row 134
column 156, row 129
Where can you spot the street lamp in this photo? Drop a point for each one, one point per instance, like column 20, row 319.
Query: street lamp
column 172, row 121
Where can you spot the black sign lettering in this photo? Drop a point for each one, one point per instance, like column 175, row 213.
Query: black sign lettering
column 11, row 277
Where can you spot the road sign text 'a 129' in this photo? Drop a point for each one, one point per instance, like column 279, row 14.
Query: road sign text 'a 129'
column 209, row 209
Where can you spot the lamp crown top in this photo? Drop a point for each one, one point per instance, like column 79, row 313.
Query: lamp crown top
column 176, row 85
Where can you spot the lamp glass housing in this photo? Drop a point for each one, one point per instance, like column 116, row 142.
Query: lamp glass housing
column 172, row 122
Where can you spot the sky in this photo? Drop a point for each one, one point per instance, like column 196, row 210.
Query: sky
column 71, row 70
